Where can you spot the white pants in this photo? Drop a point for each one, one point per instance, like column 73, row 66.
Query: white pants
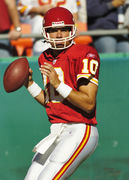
column 72, row 146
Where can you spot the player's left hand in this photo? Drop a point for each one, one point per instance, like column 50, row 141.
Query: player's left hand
column 48, row 70
column 29, row 80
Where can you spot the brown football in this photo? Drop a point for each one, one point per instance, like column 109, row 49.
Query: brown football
column 16, row 74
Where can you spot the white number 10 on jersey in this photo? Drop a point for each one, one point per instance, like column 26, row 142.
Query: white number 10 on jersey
column 90, row 67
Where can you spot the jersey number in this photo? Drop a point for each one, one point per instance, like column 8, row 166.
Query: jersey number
column 90, row 66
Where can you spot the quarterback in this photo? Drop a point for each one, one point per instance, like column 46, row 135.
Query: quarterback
column 70, row 75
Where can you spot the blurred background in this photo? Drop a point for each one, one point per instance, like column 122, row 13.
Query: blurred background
column 23, row 122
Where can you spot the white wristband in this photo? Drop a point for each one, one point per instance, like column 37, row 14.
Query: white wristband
column 34, row 89
column 64, row 90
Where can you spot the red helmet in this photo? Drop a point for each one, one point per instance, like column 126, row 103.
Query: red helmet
column 59, row 17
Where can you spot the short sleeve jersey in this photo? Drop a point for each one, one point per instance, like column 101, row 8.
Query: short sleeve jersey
column 73, row 64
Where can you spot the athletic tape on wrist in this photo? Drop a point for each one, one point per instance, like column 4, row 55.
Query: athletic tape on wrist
column 34, row 89
column 64, row 90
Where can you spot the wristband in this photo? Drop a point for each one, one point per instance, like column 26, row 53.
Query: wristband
column 34, row 89
column 64, row 90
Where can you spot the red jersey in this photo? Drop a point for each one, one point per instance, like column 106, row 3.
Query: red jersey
column 72, row 64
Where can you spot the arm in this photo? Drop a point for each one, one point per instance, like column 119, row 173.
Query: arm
column 40, row 98
column 84, row 98
column 11, row 5
column 39, row 9
column 95, row 8
column 25, row 9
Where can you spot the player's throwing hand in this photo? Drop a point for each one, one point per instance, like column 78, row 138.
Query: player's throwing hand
column 48, row 70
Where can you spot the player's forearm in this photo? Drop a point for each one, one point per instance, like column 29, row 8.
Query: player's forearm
column 40, row 9
column 34, row 10
column 41, row 98
column 13, row 12
column 84, row 98
column 82, row 101
column 36, row 92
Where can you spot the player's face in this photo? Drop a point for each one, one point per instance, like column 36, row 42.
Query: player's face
column 59, row 33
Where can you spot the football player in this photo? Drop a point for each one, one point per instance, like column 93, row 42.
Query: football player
column 70, row 77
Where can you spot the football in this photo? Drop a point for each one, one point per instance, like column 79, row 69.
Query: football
column 16, row 74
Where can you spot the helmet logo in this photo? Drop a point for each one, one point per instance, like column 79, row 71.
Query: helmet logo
column 59, row 23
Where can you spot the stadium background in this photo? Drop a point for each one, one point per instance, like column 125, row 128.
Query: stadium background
column 23, row 123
